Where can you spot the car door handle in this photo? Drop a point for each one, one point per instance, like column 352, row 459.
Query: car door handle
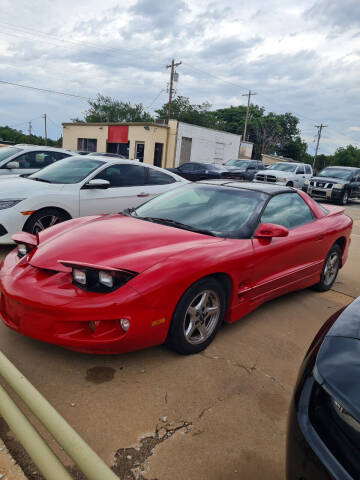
column 320, row 237
column 143, row 194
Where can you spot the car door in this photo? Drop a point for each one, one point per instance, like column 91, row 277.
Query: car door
column 299, row 176
column 355, row 185
column 287, row 263
column 250, row 171
column 127, row 189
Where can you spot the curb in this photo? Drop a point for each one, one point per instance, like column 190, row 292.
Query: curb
column 9, row 469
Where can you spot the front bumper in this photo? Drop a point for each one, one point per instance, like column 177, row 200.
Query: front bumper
column 329, row 194
column 46, row 306
column 11, row 221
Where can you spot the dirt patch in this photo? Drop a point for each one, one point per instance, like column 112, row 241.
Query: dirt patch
column 100, row 374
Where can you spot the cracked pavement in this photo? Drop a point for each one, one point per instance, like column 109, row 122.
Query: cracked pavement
column 221, row 414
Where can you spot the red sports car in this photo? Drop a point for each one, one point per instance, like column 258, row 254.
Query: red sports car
column 171, row 270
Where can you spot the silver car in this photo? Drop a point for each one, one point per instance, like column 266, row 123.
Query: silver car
column 24, row 159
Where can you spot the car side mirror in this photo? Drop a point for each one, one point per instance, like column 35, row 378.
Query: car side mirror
column 97, row 183
column 270, row 230
column 12, row 165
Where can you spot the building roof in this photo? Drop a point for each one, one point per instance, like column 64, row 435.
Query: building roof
column 111, row 124
column 279, row 158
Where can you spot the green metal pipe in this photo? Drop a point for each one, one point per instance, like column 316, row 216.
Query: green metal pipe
column 85, row 458
column 45, row 459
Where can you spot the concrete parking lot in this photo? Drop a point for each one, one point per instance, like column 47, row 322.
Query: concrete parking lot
column 217, row 415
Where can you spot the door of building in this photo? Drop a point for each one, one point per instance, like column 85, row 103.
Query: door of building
column 158, row 154
column 139, row 151
column 185, row 152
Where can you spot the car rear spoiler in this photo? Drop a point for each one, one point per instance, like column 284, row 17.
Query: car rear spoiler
column 333, row 209
column 24, row 237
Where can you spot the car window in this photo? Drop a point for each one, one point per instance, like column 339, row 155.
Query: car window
column 308, row 169
column 335, row 172
column 36, row 159
column 156, row 177
column 283, row 167
column 123, row 175
column 60, row 155
column 6, row 152
column 288, row 210
column 69, row 170
column 300, row 171
column 187, row 167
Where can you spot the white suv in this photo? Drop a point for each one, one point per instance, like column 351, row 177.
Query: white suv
column 24, row 159
column 285, row 173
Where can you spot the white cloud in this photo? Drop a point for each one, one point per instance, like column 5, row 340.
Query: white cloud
column 279, row 49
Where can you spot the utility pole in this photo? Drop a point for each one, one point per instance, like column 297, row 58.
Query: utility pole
column 319, row 127
column 247, row 111
column 30, row 126
column 172, row 71
column 45, row 136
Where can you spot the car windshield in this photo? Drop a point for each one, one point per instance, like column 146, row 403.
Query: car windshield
column 6, row 152
column 340, row 173
column 214, row 166
column 236, row 163
column 216, row 210
column 69, row 170
column 283, row 167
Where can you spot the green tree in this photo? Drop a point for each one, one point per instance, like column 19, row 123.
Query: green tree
column 107, row 109
column 17, row 136
column 346, row 156
column 184, row 111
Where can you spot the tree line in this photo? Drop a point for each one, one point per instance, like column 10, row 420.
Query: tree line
column 271, row 133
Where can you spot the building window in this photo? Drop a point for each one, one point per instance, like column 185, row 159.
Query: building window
column 87, row 144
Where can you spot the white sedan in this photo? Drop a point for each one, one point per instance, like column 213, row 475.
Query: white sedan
column 75, row 187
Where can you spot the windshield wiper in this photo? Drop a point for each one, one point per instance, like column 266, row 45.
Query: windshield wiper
column 40, row 179
column 174, row 223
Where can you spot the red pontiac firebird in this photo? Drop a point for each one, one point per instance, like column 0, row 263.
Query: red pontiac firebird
column 171, row 270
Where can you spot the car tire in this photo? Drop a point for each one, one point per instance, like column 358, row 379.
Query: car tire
column 344, row 198
column 289, row 184
column 44, row 219
column 330, row 269
column 193, row 325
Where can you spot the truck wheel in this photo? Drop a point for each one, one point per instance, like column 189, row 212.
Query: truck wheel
column 344, row 199
column 289, row 184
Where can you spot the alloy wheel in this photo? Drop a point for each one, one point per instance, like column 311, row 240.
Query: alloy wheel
column 201, row 317
column 45, row 222
column 331, row 268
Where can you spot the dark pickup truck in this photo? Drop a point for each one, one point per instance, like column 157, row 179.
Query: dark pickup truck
column 336, row 184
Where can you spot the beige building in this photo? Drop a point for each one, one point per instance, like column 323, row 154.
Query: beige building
column 154, row 143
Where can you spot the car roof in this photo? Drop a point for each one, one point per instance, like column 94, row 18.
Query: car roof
column 343, row 167
column 24, row 146
column 268, row 188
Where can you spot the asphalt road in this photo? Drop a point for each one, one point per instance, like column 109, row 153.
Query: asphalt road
column 218, row 415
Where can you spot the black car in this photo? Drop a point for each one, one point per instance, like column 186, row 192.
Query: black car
column 336, row 184
column 323, row 440
column 195, row 171
column 242, row 169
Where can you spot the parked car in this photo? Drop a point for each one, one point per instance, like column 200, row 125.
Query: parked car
column 172, row 269
column 195, row 171
column 242, row 169
column 75, row 187
column 24, row 159
column 336, row 184
column 284, row 173
column 324, row 417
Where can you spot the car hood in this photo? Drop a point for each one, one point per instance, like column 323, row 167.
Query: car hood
column 277, row 173
column 337, row 366
column 18, row 187
column 114, row 241
column 233, row 169
column 329, row 180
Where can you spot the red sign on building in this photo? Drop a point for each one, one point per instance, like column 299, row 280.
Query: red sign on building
column 118, row 134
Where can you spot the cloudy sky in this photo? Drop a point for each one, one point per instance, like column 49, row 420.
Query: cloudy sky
column 300, row 57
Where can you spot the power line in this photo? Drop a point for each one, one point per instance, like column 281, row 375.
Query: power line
column 44, row 90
